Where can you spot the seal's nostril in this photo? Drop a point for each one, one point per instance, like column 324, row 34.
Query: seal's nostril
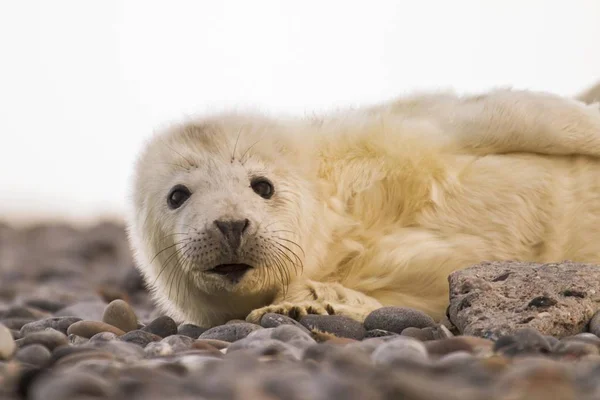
column 233, row 230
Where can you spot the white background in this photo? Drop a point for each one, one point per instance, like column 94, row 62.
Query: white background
column 83, row 83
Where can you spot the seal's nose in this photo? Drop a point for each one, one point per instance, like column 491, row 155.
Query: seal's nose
column 233, row 231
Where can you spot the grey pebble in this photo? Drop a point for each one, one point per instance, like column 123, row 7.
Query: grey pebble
column 162, row 326
column 179, row 342
column 25, row 312
column 594, row 326
column 396, row 319
column 7, row 343
column 89, row 310
column 124, row 351
column 272, row 320
column 77, row 340
column 289, row 334
column 574, row 348
column 103, row 337
column 337, row 325
column 375, row 333
column 266, row 347
column 51, row 338
column 16, row 334
column 61, row 324
column 34, row 354
column 88, row 329
column 74, row 385
column 46, row 304
column 231, row 332
column 400, row 349
column 582, row 337
column 191, row 330
column 16, row 322
column 139, row 337
column 522, row 342
column 120, row 314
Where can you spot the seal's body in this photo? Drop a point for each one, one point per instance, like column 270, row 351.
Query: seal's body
column 239, row 215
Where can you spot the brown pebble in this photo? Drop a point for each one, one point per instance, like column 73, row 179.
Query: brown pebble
column 121, row 315
column 205, row 347
column 75, row 358
column 87, row 329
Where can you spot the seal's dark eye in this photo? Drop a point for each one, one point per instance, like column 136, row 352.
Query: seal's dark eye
column 262, row 187
column 177, row 196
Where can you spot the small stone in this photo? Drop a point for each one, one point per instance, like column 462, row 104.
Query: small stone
column 120, row 314
column 230, row 333
column 523, row 341
column 418, row 333
column 103, row 337
column 84, row 357
column 124, row 351
column 75, row 385
column 375, row 333
column 396, row 319
column 179, row 342
column 218, row 344
column 46, row 305
column 87, row 310
column 575, row 349
column 158, row 349
column 49, row 338
column 469, row 344
column 162, row 326
column 191, row 330
column 63, row 351
column 25, row 312
column 76, row 340
column 400, row 349
column 337, row 325
column 87, row 329
column 61, row 324
column 15, row 323
column 594, row 326
column 266, row 347
column 7, row 344
column 272, row 320
column 139, row 337
column 34, row 354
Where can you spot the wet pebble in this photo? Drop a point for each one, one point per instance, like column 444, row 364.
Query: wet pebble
column 7, row 343
column 88, row 329
column 61, row 324
column 162, row 326
column 120, row 314
column 272, row 320
column 230, row 333
column 337, row 325
column 34, row 354
column 139, row 337
column 50, row 338
column 92, row 310
column 191, row 330
column 396, row 319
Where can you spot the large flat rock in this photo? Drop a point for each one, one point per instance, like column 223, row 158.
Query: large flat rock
column 495, row 298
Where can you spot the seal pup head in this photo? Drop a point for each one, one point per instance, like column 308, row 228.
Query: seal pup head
column 221, row 214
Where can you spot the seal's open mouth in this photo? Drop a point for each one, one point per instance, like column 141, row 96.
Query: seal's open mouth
column 233, row 272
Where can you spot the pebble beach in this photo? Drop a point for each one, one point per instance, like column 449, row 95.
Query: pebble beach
column 76, row 322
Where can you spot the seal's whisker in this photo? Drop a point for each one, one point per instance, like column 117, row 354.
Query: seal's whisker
column 175, row 270
column 166, row 248
column 248, row 149
column 179, row 154
column 236, row 143
column 282, row 253
column 166, row 263
column 291, row 242
column 298, row 259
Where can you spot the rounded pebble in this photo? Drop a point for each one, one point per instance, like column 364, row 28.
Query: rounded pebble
column 103, row 337
column 231, row 332
column 272, row 320
column 162, row 326
column 86, row 310
column 16, row 322
column 396, row 319
column 522, row 342
column 191, row 330
column 34, row 354
column 178, row 342
column 7, row 343
column 61, row 324
column 139, row 337
column 46, row 304
column 218, row 344
column 51, row 338
column 594, row 326
column 77, row 384
column 87, row 329
column 337, row 325
column 400, row 349
column 375, row 333
column 469, row 344
column 158, row 349
column 418, row 333
column 120, row 314
column 25, row 312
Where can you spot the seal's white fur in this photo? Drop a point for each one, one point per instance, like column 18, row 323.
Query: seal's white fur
column 377, row 206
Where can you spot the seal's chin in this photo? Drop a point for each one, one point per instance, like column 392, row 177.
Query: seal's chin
column 232, row 272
